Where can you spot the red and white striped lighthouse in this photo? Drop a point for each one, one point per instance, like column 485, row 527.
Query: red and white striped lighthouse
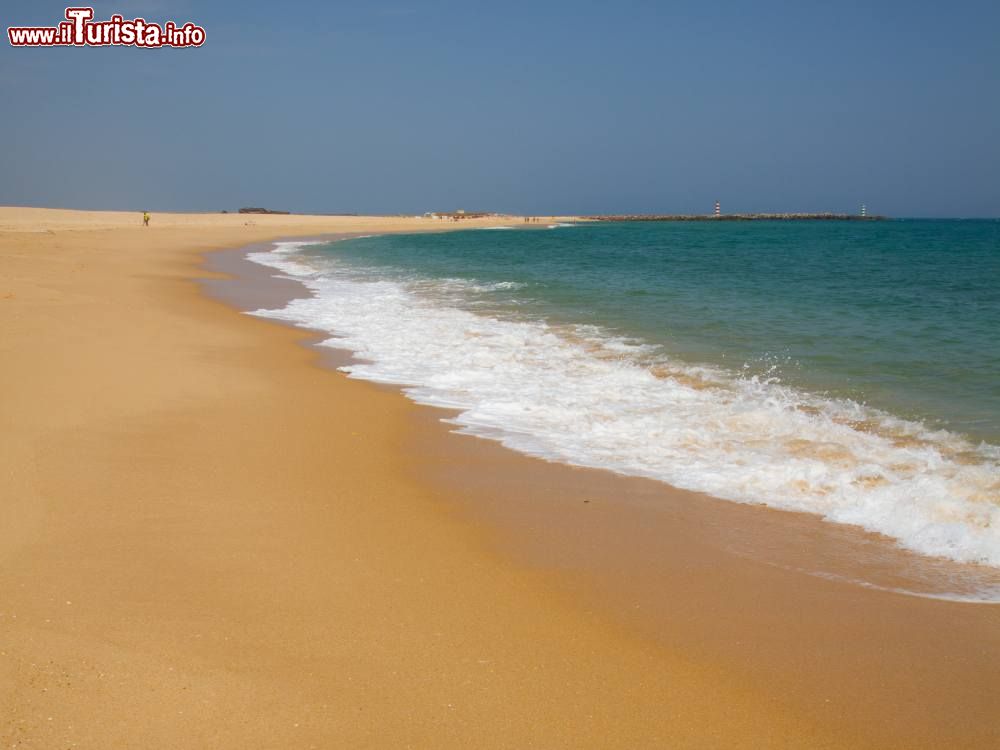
column 718, row 209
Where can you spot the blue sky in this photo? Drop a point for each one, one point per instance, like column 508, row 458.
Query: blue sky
column 543, row 107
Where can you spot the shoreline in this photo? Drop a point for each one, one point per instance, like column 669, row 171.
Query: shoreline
column 944, row 577
column 211, row 531
column 739, row 217
column 534, row 507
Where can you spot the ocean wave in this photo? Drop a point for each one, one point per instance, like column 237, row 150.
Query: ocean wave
column 497, row 286
column 285, row 248
column 580, row 396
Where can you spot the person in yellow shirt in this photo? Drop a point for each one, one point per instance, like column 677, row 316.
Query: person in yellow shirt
column 145, row 218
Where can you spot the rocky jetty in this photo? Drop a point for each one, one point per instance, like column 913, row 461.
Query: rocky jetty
column 262, row 211
column 737, row 217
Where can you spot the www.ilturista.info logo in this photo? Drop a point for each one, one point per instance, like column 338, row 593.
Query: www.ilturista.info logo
column 80, row 30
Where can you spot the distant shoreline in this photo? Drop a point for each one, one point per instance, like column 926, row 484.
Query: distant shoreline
column 738, row 217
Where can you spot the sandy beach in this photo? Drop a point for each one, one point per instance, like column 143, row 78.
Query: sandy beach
column 210, row 539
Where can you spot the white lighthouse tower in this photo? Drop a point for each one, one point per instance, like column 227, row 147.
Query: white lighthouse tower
column 864, row 210
column 718, row 209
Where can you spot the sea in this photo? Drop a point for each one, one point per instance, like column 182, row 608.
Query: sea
column 846, row 369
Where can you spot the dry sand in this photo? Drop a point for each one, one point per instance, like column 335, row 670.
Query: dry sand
column 207, row 541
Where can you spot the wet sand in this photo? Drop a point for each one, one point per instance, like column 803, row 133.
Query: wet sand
column 209, row 540
column 809, row 609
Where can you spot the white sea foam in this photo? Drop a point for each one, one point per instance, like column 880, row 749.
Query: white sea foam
column 284, row 248
column 982, row 595
column 498, row 286
column 580, row 396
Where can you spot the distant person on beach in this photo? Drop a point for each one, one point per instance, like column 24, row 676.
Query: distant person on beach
column 145, row 218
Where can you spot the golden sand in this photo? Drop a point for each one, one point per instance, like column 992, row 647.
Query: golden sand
column 208, row 541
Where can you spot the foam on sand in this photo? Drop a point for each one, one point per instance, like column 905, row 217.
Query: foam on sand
column 581, row 396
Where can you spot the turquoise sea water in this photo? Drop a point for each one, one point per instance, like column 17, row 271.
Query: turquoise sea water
column 847, row 369
column 901, row 314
